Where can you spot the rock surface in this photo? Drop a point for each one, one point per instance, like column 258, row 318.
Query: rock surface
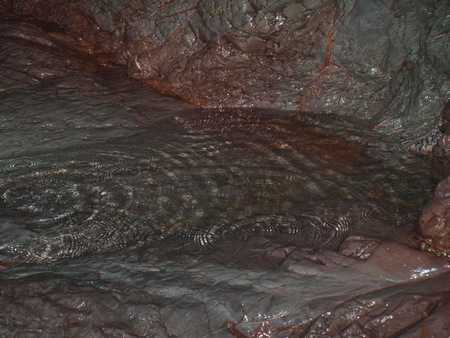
column 57, row 102
column 434, row 224
column 441, row 150
column 435, row 221
column 384, row 61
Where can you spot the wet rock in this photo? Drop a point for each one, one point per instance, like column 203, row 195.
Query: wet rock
column 434, row 224
column 53, row 129
column 383, row 61
column 446, row 112
column 62, row 315
column 381, row 317
column 441, row 157
column 441, row 151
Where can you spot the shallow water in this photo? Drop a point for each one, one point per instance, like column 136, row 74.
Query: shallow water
column 124, row 212
column 197, row 171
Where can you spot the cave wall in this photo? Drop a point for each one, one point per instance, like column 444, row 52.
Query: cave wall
column 434, row 223
column 384, row 61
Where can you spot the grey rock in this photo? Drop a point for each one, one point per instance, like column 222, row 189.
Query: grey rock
column 387, row 61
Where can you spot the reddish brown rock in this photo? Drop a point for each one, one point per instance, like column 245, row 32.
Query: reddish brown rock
column 370, row 288
column 441, row 151
column 434, row 223
column 441, row 158
column 346, row 57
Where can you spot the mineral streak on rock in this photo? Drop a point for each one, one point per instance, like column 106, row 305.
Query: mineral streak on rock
column 354, row 58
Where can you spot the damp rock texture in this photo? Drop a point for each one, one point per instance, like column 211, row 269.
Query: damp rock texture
column 435, row 221
column 385, row 61
column 96, row 169
column 441, row 150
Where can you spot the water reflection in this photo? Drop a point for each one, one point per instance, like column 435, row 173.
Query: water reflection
column 126, row 212
column 204, row 208
column 205, row 177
